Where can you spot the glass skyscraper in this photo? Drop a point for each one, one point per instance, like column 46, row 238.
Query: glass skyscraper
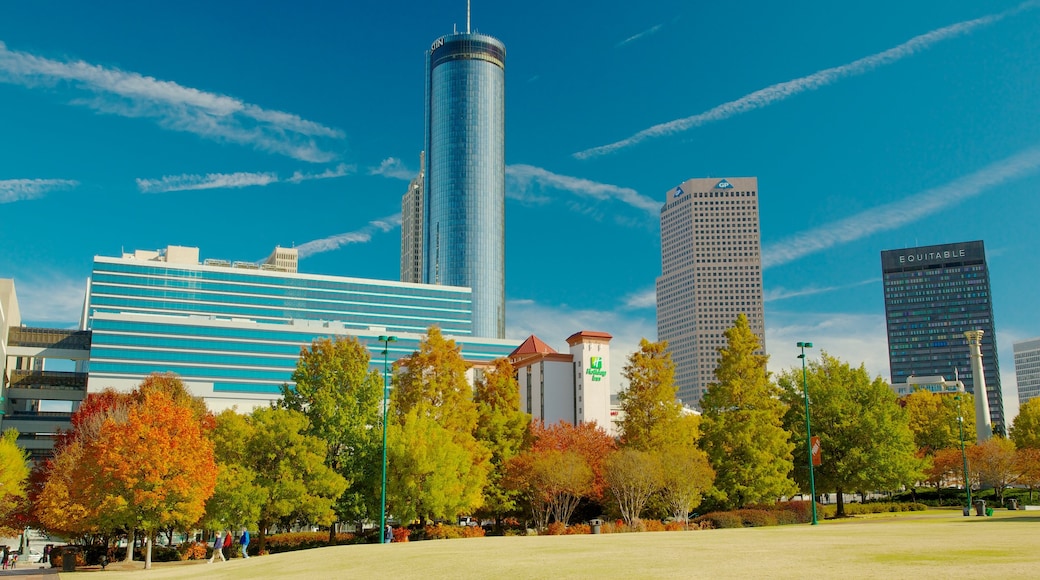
column 933, row 295
column 233, row 331
column 464, row 237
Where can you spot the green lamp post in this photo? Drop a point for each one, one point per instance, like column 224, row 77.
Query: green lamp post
column 808, row 431
column 386, row 340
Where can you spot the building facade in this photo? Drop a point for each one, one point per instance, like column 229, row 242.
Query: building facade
column 1027, row 369
column 412, row 226
column 711, row 272
column 572, row 387
column 933, row 295
column 233, row 334
column 464, row 210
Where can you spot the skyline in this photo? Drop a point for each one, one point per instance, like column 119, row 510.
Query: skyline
column 120, row 136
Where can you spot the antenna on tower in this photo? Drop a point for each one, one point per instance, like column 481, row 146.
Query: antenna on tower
column 467, row 16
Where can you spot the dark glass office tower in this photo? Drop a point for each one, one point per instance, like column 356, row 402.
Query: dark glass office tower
column 933, row 295
column 464, row 237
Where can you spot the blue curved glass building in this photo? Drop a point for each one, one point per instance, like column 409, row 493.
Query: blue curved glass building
column 464, row 234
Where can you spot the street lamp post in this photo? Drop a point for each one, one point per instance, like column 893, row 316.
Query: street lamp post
column 964, row 456
column 808, row 431
column 386, row 340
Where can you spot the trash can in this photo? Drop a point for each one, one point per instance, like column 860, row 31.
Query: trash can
column 68, row 559
column 967, row 511
column 1012, row 504
column 980, row 507
column 595, row 523
column 989, row 511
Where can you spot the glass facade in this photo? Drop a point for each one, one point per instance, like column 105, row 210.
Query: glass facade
column 933, row 295
column 464, row 237
column 1027, row 369
column 239, row 331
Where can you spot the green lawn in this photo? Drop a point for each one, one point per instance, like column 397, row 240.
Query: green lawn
column 933, row 544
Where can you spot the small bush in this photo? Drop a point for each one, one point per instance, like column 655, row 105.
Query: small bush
column 193, row 551
column 292, row 541
column 720, row 520
column 756, row 518
column 401, row 534
column 442, row 532
column 857, row 509
column 653, row 525
column 674, row 526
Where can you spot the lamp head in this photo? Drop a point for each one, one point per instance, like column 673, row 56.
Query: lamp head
column 804, row 345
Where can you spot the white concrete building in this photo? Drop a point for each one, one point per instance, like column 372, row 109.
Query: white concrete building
column 1027, row 369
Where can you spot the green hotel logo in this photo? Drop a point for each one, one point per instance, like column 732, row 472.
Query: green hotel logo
column 595, row 369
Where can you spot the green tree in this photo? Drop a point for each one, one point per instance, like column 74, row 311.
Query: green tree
column 289, row 464
column 431, row 384
column 685, row 476
column 14, row 473
column 650, row 408
column 342, row 396
column 864, row 433
column 742, row 430
column 503, row 429
column 1025, row 430
column 633, row 476
column 238, row 497
column 934, row 419
column 430, row 475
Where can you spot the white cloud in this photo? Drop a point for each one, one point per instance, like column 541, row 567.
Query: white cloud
column 634, row 37
column 780, row 293
column 787, row 89
column 522, row 179
column 393, row 168
column 175, row 107
column 360, row 236
column 900, row 213
column 642, row 299
column 341, row 170
column 12, row 190
column 52, row 297
column 554, row 324
column 190, row 182
column 854, row 338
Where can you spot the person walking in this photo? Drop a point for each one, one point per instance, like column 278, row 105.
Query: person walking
column 218, row 548
column 6, row 553
column 244, row 540
column 227, row 545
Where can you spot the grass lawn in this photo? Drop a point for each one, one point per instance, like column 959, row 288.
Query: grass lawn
column 933, row 544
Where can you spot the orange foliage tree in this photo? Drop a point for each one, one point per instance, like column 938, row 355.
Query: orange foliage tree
column 141, row 461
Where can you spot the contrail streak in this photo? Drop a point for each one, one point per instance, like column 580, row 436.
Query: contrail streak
column 900, row 213
column 785, row 90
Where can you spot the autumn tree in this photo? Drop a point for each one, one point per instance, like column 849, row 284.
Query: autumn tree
column 934, row 419
column 1025, row 430
column 341, row 396
column 1027, row 464
column 993, row 463
column 503, row 429
column 431, row 385
column 14, row 473
column 289, row 465
column 648, row 402
column 742, row 430
column 685, row 476
column 633, row 476
column 864, row 434
column 945, row 466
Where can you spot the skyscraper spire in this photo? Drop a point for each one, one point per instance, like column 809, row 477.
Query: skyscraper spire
column 467, row 16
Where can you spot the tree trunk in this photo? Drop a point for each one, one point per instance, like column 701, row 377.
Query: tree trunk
column 840, row 512
column 148, row 552
column 129, row 546
column 332, row 534
column 261, row 531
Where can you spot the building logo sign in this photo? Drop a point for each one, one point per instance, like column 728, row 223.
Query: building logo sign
column 723, row 185
column 931, row 256
column 437, row 44
column 595, row 369
column 678, row 192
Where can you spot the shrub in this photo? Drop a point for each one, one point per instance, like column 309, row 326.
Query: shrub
column 59, row 553
column 292, row 541
column 674, row 526
column 193, row 551
column 442, row 532
column 556, row 529
column 165, row 554
column 401, row 534
column 720, row 520
column 652, row 525
column 756, row 518
column 856, row 509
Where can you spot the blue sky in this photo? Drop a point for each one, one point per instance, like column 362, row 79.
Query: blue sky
column 236, row 126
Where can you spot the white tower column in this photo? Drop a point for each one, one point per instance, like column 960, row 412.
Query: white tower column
column 983, row 424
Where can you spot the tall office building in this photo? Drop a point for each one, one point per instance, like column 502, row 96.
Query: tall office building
column 412, row 226
column 711, row 271
column 465, row 173
column 1027, row 369
column 933, row 295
